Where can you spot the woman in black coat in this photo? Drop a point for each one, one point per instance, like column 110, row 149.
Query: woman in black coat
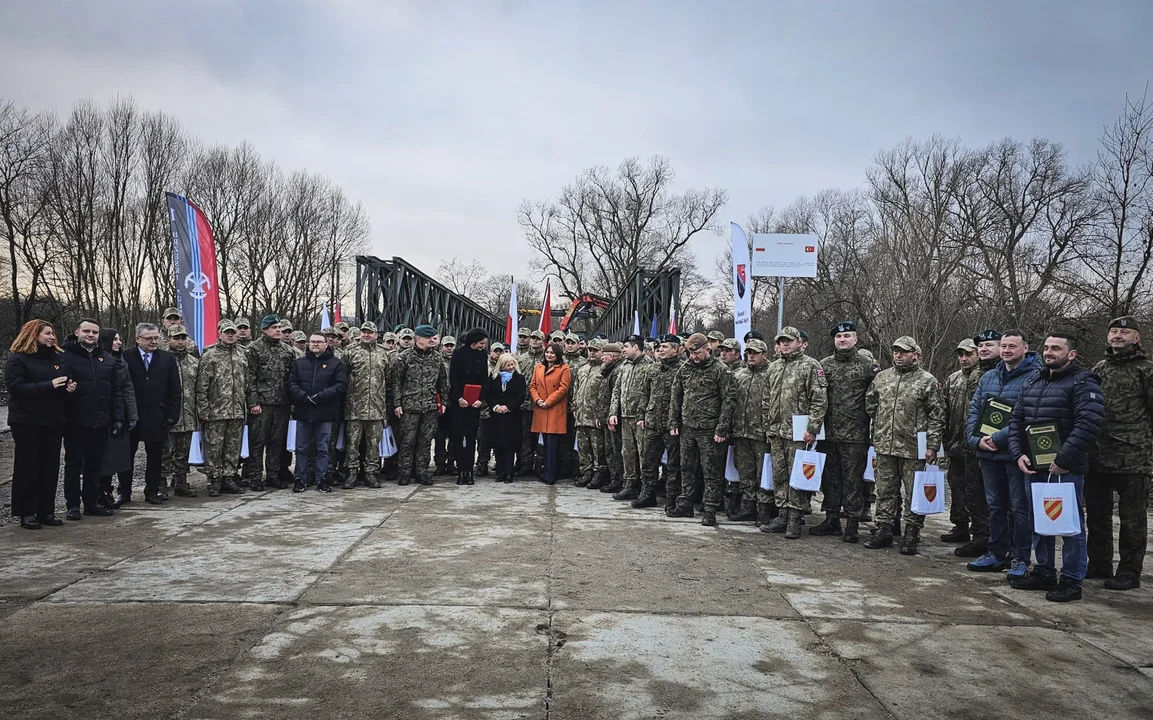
column 37, row 388
column 117, row 458
column 469, row 366
column 504, row 394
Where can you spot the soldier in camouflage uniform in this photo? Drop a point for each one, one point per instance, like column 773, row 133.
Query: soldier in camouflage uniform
column 659, row 443
column 418, row 377
column 626, row 413
column 957, row 399
column 716, row 337
column 700, row 414
column 532, row 352
column 796, row 386
column 269, row 361
column 569, row 457
column 483, row 448
column 221, row 394
column 848, row 373
column 299, row 343
column 286, row 332
column 243, row 332
column 730, row 353
column 611, row 362
column 170, row 319
column 405, row 339
column 1123, row 460
column 748, row 434
column 174, row 460
column 976, row 505
column 443, row 457
column 903, row 401
column 587, row 392
column 365, row 406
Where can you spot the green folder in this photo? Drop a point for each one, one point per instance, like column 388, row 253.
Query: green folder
column 1044, row 444
column 995, row 416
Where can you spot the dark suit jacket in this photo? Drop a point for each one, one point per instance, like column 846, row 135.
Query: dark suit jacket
column 158, row 394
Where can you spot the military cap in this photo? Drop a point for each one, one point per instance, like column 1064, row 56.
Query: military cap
column 388, row 336
column 342, row 326
column 596, row 344
column 804, row 335
column 177, row 331
column 788, row 332
column 867, row 353
column 285, row 325
column 425, row 331
column 754, row 334
column 523, row 332
column 716, row 335
column 299, row 336
column 536, row 335
column 268, row 321
column 329, row 331
column 497, row 347
column 650, row 344
column 225, row 325
column 670, row 338
column 367, row 326
column 611, row 347
column 171, row 313
column 847, row 326
column 600, row 336
column 448, row 340
column 757, row 346
column 967, row 345
column 580, row 338
column 731, row 344
column 571, row 336
column 407, row 334
column 241, row 323
column 696, row 341
column 1127, row 321
column 907, row 344
column 987, row 335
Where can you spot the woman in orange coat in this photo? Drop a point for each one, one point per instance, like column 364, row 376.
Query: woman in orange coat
column 549, row 388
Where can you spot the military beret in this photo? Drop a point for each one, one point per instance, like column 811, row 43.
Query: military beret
column 907, row 344
column 1127, row 321
column 580, row 338
column 299, row 336
column 241, row 323
column 847, row 326
column 716, row 335
column 804, row 335
column 342, row 325
column 446, row 340
column 696, row 341
column 268, row 321
column 753, row 334
column 731, row 344
column 398, row 328
column 611, row 347
column 171, row 313
column 523, row 332
column 329, row 331
column 788, row 333
column 757, row 346
column 967, row 345
column 425, row 331
column 368, row 327
column 536, row 335
column 225, row 325
column 987, row 335
column 635, row 340
column 177, row 331
column 285, row 325
column 670, row 338
column 406, row 334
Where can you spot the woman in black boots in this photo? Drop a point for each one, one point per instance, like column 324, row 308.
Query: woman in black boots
column 467, row 375
column 504, row 393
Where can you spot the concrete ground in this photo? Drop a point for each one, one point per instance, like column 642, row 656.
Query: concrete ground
column 526, row 601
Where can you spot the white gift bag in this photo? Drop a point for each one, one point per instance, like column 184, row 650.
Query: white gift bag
column 576, row 444
column 290, row 443
column 801, row 426
column 808, row 465
column 540, row 438
column 767, row 473
column 195, row 451
column 871, row 465
column 665, row 457
column 731, row 473
column 928, row 491
column 387, row 442
column 244, row 444
column 340, row 438
column 1055, row 510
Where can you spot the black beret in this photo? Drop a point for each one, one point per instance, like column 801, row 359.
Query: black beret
column 847, row 326
column 987, row 335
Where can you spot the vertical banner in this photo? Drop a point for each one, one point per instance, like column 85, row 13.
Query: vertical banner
column 510, row 329
column 742, row 292
column 546, row 312
column 325, row 322
column 194, row 267
column 336, row 318
column 636, row 322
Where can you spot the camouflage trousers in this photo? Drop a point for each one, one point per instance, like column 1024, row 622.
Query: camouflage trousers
column 368, row 432
column 701, row 463
column 783, row 451
column 417, row 433
column 1132, row 506
column 841, row 481
column 613, row 449
column 174, row 460
column 968, row 505
column 591, row 446
column 895, row 476
column 632, row 452
column 658, row 442
column 221, row 447
column 267, row 433
column 749, row 457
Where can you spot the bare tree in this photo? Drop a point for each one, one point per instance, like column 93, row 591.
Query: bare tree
column 463, row 278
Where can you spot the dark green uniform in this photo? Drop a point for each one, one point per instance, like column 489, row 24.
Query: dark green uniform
column 269, row 361
column 846, row 445
column 419, row 375
column 701, row 407
column 630, row 396
column 658, row 442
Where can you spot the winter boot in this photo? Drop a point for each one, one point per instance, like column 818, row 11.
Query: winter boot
column 959, row 534
column 583, row 480
column 372, row 480
column 614, row 487
column 850, row 534
column 349, row 482
column 626, row 494
column 795, row 523
column 600, row 479
column 733, row 506
column 670, row 506
column 709, row 518
column 257, row 485
column 911, row 539
column 882, row 538
column 482, row 469
column 746, row 511
column 645, row 500
column 228, row 485
column 213, row 487
column 830, row 526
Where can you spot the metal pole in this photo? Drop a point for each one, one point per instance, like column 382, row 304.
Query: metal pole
column 780, row 303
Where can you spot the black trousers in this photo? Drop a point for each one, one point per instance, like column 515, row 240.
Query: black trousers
column 83, row 453
column 466, row 424
column 505, row 461
column 153, row 467
column 36, row 470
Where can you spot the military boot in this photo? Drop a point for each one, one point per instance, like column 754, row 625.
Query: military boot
column 644, row 500
column 162, row 493
column 830, row 526
column 959, row 534
column 795, row 523
column 866, row 513
column 228, row 485
column 213, row 487
column 777, row 524
column 763, row 514
column 372, row 480
column 682, row 511
column 482, row 469
column 974, row 548
column 182, row 489
column 882, row 538
column 349, row 482
column 613, row 487
column 583, row 480
column 626, row 494
column 850, row 534
column 746, row 511
column 911, row 539
column 670, row 506
column 733, row 506
column 709, row 518
column 257, row 484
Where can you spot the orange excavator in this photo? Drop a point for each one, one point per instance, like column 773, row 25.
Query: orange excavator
column 582, row 307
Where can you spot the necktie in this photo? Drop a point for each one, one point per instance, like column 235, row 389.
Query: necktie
column 147, row 361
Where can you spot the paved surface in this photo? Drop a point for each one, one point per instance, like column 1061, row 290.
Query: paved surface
column 524, row 601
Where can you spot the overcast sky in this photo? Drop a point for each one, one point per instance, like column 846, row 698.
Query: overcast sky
column 441, row 117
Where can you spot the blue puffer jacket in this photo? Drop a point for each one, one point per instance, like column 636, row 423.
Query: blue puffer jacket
column 1006, row 385
column 1071, row 398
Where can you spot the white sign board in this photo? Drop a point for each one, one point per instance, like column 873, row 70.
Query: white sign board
column 784, row 255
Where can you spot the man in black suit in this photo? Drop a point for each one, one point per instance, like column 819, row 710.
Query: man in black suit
column 156, row 380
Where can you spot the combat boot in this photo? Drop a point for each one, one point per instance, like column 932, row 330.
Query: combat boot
column 228, row 485
column 257, row 485
column 583, row 480
column 709, row 518
column 182, row 488
column 213, row 487
column 732, row 505
column 614, row 487
column 850, row 534
column 763, row 514
column 777, row 524
column 646, row 500
column 372, row 480
column 599, row 480
column 911, row 539
column 746, row 511
column 670, row 506
column 959, row 534
column 795, row 523
column 349, row 482
column 626, row 494
column 974, row 548
column 162, row 493
column 682, row 511
column 830, row 526
column 882, row 538
column 866, row 513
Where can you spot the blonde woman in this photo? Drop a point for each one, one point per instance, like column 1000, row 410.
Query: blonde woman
column 504, row 395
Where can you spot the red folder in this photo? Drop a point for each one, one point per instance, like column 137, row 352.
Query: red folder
column 471, row 393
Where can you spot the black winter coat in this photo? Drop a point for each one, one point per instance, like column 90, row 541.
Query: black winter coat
column 97, row 398
column 467, row 367
column 1072, row 399
column 316, row 385
column 157, row 391
column 503, row 430
column 33, row 400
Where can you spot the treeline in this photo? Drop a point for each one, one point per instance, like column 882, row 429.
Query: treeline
column 83, row 211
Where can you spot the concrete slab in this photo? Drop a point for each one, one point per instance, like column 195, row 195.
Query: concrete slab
column 644, row 666
column 119, row 661
column 655, row 567
column 397, row 662
column 523, row 497
column 422, row 559
column 577, row 502
column 932, row 671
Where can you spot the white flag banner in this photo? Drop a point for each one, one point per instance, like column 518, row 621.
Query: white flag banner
column 195, row 452
column 742, row 287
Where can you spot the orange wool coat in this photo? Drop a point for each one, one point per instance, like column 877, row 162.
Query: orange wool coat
column 552, row 387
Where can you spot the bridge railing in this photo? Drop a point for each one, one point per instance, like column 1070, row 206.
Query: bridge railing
column 647, row 293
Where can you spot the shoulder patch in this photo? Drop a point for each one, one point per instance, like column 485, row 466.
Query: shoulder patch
column 820, row 371
column 876, row 369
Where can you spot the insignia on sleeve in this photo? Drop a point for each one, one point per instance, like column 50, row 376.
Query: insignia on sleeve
column 820, row 371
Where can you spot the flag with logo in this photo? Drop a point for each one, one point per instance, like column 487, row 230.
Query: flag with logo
column 928, row 491
column 510, row 330
column 1055, row 508
column 742, row 289
column 194, row 266
column 808, row 465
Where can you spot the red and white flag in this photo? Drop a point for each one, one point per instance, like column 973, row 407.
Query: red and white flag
column 546, row 311
column 510, row 321
column 336, row 315
column 672, row 321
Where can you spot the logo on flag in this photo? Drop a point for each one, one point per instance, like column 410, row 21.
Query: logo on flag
column 198, row 285
column 808, row 469
column 740, row 281
column 810, row 248
column 1053, row 507
column 930, row 492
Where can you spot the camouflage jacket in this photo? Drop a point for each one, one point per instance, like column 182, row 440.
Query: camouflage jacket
column 417, row 378
column 958, row 394
column 902, row 403
column 268, row 364
column 848, row 375
column 588, row 394
column 222, row 383
column 368, row 374
column 188, row 365
column 194, row 351
column 660, row 393
column 1126, row 441
column 796, row 386
column 631, row 390
column 702, row 398
column 526, row 362
column 750, row 383
column 575, row 362
column 611, row 373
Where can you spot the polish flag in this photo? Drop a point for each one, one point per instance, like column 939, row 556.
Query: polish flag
column 336, row 311
column 672, row 321
column 510, row 321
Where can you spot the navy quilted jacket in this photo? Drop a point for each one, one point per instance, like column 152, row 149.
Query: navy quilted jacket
column 1071, row 398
